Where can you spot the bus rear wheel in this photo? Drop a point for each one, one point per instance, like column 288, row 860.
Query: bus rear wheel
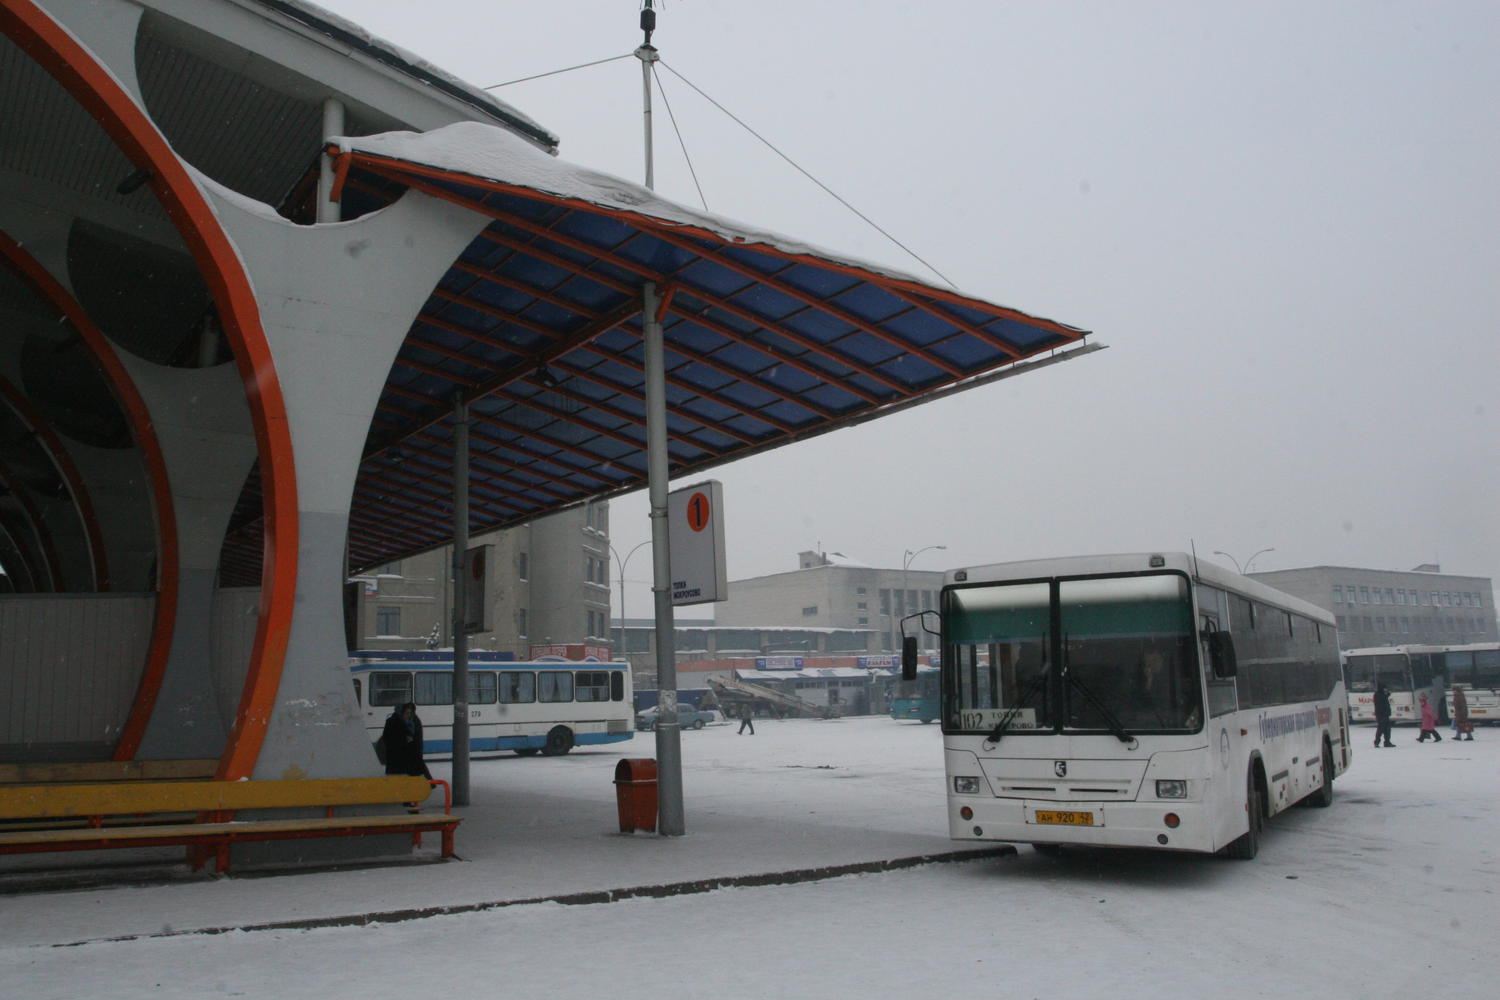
column 559, row 741
column 526, row 751
column 1248, row 846
column 1323, row 797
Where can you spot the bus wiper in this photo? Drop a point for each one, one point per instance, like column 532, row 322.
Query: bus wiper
column 1037, row 683
column 1110, row 719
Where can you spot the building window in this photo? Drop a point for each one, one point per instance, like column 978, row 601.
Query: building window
column 1364, row 595
column 1338, row 594
column 863, row 620
column 1390, row 596
column 808, row 612
column 861, row 606
column 860, row 591
column 387, row 621
column 521, row 622
column 1339, row 620
column 522, row 566
column 885, row 601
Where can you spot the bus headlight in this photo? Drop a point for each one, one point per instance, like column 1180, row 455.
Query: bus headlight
column 1172, row 788
column 966, row 785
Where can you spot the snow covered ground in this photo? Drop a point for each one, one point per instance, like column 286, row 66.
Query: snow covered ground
column 1392, row 892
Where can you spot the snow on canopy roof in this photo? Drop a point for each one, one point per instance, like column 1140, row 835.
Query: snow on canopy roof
column 486, row 152
column 347, row 32
column 537, row 326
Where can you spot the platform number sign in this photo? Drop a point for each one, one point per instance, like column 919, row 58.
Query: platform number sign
column 695, row 533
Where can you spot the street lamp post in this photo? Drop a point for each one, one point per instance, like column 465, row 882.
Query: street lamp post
column 906, row 561
column 622, row 563
column 1236, row 562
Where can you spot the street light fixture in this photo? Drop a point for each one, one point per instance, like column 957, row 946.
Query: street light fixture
column 1246, row 570
column 622, row 563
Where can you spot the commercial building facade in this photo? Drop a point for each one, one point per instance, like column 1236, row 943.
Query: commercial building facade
column 829, row 591
column 545, row 582
column 1376, row 607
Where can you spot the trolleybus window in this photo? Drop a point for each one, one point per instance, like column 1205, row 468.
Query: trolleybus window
column 555, row 685
column 390, row 687
column 593, row 685
column 517, row 687
column 434, row 689
column 481, row 688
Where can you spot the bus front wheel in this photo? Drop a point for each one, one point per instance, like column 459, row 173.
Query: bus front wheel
column 1248, row 845
column 559, row 741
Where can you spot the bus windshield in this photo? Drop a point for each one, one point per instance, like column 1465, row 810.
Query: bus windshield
column 1364, row 672
column 1080, row 655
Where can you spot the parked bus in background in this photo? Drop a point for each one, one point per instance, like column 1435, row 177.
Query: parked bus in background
column 1407, row 673
column 1133, row 701
column 916, row 698
column 1475, row 667
column 526, row 707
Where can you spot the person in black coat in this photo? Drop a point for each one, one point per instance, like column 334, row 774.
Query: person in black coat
column 403, row 742
column 1382, row 716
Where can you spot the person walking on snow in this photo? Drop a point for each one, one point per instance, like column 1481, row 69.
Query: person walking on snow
column 1382, row 716
column 1463, row 729
column 1429, row 722
column 747, row 719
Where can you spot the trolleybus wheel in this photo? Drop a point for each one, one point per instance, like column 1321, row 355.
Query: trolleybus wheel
column 526, row 751
column 559, row 741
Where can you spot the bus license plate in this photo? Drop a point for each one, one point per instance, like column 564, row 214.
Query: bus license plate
column 1065, row 818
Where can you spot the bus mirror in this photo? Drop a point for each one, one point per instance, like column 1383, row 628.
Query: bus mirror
column 908, row 657
column 1221, row 651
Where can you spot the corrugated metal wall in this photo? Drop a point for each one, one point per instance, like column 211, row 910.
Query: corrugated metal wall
column 69, row 665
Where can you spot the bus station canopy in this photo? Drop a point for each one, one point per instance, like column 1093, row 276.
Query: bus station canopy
column 538, row 327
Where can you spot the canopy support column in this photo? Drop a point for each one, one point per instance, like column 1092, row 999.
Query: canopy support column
column 460, row 600
column 327, row 209
column 669, row 821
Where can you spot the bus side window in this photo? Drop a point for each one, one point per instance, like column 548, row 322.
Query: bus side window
column 1221, row 696
column 616, row 685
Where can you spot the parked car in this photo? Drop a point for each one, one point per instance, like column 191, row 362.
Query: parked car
column 688, row 717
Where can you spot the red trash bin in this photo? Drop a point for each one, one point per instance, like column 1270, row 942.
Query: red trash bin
column 635, row 793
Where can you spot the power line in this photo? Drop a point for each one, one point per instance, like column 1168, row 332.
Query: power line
column 769, row 145
column 680, row 142
column 555, row 72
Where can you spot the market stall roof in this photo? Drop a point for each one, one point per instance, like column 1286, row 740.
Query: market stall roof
column 538, row 325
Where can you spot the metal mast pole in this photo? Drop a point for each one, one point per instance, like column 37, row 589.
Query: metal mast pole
column 669, row 816
column 460, row 601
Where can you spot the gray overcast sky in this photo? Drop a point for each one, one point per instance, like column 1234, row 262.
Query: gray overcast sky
column 1281, row 217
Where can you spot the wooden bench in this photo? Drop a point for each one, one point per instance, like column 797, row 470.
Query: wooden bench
column 107, row 770
column 201, row 815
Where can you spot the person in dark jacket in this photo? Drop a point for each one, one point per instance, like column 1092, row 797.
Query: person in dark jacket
column 403, row 742
column 1463, row 728
column 747, row 719
column 1382, row 716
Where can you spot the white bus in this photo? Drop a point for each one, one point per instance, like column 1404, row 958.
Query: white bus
column 526, row 707
column 1134, row 701
column 1475, row 667
column 1406, row 671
